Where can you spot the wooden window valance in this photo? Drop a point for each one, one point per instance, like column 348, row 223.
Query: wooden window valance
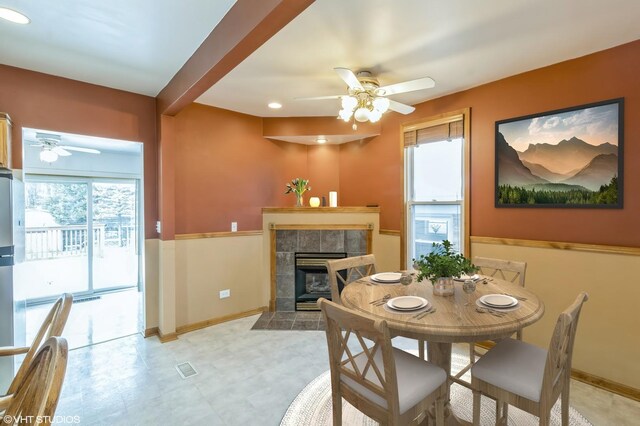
column 435, row 131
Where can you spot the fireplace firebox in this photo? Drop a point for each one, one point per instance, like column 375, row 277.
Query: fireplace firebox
column 311, row 278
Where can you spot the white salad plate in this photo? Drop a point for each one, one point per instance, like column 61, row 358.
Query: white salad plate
column 498, row 301
column 407, row 303
column 387, row 277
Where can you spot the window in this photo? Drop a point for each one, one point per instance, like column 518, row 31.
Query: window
column 435, row 191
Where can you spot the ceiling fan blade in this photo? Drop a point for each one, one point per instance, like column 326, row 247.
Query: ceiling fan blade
column 61, row 151
column 316, row 98
column 79, row 149
column 408, row 86
column 401, row 108
column 349, row 77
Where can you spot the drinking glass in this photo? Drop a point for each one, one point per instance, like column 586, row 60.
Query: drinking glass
column 406, row 278
column 469, row 286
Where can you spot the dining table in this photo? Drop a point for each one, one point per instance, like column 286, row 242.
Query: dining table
column 458, row 318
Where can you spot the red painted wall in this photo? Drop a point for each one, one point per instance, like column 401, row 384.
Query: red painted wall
column 371, row 172
column 44, row 101
column 225, row 170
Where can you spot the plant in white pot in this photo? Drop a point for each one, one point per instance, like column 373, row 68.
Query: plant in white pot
column 441, row 266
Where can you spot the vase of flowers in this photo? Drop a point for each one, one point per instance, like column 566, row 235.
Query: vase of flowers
column 441, row 266
column 298, row 186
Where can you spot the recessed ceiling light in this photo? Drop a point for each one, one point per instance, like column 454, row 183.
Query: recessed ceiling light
column 13, row 16
column 321, row 139
column 275, row 105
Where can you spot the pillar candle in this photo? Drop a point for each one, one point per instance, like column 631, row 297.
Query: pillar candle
column 333, row 199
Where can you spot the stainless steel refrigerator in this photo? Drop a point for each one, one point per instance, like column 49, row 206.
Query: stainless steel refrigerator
column 12, row 294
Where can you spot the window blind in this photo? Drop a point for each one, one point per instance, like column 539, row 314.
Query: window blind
column 435, row 131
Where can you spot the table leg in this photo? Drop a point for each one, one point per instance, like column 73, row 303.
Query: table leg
column 440, row 355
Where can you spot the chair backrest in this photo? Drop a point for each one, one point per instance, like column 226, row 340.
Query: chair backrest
column 515, row 271
column 53, row 325
column 346, row 330
column 39, row 391
column 558, row 366
column 344, row 271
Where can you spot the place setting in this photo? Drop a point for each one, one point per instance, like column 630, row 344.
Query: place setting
column 386, row 277
column 408, row 305
column 497, row 304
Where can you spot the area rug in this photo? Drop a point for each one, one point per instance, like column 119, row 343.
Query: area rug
column 312, row 407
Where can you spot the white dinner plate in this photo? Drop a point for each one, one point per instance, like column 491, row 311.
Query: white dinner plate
column 407, row 303
column 498, row 300
column 387, row 277
column 465, row 277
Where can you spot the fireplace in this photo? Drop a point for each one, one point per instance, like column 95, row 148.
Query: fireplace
column 311, row 278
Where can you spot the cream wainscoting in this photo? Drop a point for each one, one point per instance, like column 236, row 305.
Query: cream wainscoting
column 607, row 342
column 205, row 266
column 151, row 291
column 388, row 251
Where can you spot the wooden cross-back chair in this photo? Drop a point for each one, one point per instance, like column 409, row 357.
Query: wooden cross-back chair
column 344, row 271
column 536, row 378
column 53, row 325
column 507, row 270
column 387, row 384
column 37, row 394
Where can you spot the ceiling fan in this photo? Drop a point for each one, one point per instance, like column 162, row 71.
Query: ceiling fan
column 367, row 100
column 51, row 148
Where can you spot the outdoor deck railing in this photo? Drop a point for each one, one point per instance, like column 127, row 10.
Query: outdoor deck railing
column 53, row 242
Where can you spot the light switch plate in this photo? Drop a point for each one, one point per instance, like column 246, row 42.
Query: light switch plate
column 234, row 226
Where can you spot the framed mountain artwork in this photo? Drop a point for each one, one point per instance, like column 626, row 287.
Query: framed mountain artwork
column 565, row 158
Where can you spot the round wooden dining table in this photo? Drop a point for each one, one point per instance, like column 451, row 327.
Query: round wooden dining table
column 452, row 321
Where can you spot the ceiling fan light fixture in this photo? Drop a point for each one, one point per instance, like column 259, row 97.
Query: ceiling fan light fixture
column 48, row 156
column 362, row 114
column 345, row 115
column 381, row 104
column 375, row 116
column 349, row 103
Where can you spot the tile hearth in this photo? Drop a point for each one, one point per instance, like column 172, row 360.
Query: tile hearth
column 290, row 321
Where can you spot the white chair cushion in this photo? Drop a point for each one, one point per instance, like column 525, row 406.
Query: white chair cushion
column 416, row 378
column 514, row 366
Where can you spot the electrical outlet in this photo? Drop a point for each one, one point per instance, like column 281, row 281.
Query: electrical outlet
column 225, row 293
column 234, row 226
column 158, row 227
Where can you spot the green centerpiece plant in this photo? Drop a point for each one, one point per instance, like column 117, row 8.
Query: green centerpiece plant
column 441, row 266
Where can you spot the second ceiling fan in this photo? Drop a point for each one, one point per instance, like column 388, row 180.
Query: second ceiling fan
column 367, row 100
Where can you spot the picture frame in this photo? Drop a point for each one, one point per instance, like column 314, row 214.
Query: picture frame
column 567, row 158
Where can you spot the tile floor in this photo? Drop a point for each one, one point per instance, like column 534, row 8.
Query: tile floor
column 112, row 316
column 246, row 377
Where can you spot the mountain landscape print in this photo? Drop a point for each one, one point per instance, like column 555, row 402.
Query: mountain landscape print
column 566, row 158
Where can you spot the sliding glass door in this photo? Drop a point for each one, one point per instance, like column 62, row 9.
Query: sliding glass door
column 115, row 224
column 82, row 235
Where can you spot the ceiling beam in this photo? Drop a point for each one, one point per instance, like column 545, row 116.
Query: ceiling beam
column 247, row 25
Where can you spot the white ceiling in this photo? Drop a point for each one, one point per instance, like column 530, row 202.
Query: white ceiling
column 459, row 43
column 139, row 45
column 133, row 45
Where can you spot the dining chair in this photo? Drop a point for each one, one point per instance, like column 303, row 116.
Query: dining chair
column 507, row 270
column 53, row 325
column 37, row 394
column 344, row 271
column 387, row 384
column 530, row 378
